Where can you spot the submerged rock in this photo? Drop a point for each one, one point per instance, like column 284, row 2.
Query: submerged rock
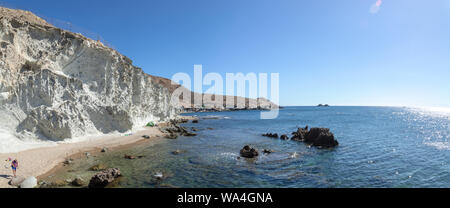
column 268, row 151
column 171, row 136
column 189, row 134
column 58, row 183
column 176, row 152
column 78, row 181
column 284, row 137
column 98, row 167
column 249, row 152
column 102, row 179
column 130, row 157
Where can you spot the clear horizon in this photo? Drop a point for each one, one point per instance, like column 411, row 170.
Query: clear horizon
column 342, row 53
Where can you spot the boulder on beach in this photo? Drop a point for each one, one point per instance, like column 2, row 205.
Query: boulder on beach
column 102, row 179
column 249, row 152
column 30, row 182
column 16, row 181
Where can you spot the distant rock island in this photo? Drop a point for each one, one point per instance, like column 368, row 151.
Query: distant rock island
column 323, row 105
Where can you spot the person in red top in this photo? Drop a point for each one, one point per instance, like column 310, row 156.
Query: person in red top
column 14, row 166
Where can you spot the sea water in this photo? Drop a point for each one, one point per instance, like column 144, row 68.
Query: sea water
column 379, row 147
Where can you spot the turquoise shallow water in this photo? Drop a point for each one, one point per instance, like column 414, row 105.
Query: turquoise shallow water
column 379, row 147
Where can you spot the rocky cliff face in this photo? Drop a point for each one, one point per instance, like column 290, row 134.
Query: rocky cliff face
column 208, row 100
column 55, row 84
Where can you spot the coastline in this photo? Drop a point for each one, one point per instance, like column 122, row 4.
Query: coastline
column 40, row 162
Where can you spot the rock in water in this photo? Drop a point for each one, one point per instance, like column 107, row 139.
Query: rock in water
column 16, row 181
column 98, row 167
column 249, row 152
column 55, row 84
column 159, row 176
column 30, row 182
column 271, row 135
column 300, row 134
column 78, row 182
column 324, row 138
column 319, row 137
column 130, row 157
column 268, row 151
column 102, row 179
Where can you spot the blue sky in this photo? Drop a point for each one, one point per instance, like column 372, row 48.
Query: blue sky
column 338, row 52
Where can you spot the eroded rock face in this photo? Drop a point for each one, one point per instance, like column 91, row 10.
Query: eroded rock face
column 56, row 84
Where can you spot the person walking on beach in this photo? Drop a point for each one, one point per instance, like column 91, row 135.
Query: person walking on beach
column 14, row 166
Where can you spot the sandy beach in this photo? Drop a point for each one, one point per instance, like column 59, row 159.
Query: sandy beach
column 37, row 162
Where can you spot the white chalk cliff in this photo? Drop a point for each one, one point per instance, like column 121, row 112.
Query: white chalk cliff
column 56, row 85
